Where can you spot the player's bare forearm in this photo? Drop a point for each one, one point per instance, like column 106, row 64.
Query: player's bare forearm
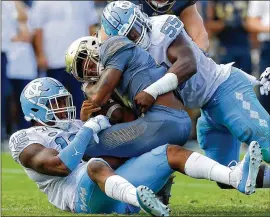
column 101, row 92
column 202, row 41
column 182, row 58
column 43, row 160
column 255, row 25
column 195, row 27
column 38, row 42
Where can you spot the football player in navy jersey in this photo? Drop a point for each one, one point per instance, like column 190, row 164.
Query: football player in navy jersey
column 227, row 20
column 186, row 10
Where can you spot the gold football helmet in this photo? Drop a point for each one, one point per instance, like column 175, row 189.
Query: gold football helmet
column 82, row 59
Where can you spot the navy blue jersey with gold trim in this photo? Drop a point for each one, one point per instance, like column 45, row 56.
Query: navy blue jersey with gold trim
column 174, row 9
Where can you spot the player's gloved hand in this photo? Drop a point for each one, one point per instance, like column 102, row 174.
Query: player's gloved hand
column 88, row 108
column 98, row 123
column 265, row 82
column 144, row 101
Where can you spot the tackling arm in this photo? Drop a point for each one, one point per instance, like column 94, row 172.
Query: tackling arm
column 51, row 162
column 183, row 59
column 101, row 92
column 184, row 66
column 43, row 160
column 195, row 27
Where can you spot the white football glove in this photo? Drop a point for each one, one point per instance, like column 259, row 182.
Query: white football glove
column 98, row 123
column 265, row 82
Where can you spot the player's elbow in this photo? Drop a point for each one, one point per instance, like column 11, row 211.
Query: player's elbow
column 61, row 168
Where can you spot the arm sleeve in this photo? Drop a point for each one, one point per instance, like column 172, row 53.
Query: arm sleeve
column 72, row 155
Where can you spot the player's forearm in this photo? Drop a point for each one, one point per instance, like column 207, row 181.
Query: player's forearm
column 255, row 26
column 199, row 34
column 47, row 162
column 184, row 66
column 202, row 41
column 98, row 95
column 38, row 42
column 72, row 155
column 194, row 26
column 51, row 162
column 100, row 98
column 21, row 11
column 101, row 92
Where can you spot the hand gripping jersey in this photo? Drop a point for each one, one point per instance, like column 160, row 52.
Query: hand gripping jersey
column 201, row 86
column 60, row 190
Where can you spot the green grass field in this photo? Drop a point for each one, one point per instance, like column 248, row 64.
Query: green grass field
column 21, row 197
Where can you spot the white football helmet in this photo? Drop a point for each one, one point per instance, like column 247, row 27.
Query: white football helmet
column 82, row 58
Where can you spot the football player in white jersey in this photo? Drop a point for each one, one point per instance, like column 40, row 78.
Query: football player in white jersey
column 230, row 108
column 51, row 154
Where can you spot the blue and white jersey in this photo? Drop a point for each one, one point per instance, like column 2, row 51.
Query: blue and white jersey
column 60, row 190
column 139, row 69
column 200, row 87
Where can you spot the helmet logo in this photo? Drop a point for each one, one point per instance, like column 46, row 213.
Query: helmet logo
column 33, row 90
column 124, row 5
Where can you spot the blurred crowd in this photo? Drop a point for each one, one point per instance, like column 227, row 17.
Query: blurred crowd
column 36, row 34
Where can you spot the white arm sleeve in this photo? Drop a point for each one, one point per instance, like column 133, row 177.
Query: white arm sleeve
column 165, row 84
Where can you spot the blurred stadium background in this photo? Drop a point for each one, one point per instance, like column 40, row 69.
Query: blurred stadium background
column 36, row 34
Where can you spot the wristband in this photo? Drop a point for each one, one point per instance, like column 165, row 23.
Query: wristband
column 165, row 84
